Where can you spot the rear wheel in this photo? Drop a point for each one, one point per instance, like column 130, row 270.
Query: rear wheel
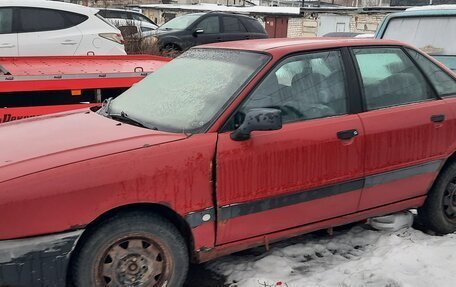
column 137, row 249
column 439, row 211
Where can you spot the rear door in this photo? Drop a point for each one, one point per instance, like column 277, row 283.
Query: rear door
column 308, row 171
column 48, row 32
column 408, row 129
column 8, row 37
column 233, row 29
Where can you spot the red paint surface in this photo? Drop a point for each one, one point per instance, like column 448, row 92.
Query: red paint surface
column 65, row 170
column 93, row 170
column 276, row 27
column 80, row 65
column 275, row 163
column 13, row 114
column 404, row 136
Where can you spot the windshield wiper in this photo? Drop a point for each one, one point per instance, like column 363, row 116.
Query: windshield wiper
column 105, row 106
column 123, row 117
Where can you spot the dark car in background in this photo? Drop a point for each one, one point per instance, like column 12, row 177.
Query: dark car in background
column 190, row 30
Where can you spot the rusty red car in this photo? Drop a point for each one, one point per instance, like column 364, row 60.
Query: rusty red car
column 237, row 144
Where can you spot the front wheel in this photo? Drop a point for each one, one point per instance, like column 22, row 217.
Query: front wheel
column 137, row 249
column 439, row 211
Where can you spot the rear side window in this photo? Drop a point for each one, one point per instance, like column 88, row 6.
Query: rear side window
column 232, row 25
column 38, row 19
column 390, row 78
column 253, row 25
column 443, row 83
column 6, row 20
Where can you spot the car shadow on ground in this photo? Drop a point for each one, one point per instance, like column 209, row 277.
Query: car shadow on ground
column 200, row 276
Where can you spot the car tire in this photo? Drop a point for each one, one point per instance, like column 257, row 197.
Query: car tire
column 438, row 213
column 134, row 249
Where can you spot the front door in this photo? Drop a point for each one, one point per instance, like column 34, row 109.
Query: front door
column 408, row 130
column 309, row 170
column 211, row 31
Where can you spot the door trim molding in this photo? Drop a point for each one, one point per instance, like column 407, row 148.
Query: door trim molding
column 240, row 209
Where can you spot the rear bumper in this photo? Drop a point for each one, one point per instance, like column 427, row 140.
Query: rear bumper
column 37, row 261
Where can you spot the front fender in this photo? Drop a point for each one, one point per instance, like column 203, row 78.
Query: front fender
column 177, row 174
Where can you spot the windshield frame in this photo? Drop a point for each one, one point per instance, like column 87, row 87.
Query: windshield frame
column 241, row 88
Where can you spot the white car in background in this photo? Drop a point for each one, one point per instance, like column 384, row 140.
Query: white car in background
column 125, row 19
column 51, row 28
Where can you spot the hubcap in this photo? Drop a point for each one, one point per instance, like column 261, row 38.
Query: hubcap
column 132, row 262
column 449, row 201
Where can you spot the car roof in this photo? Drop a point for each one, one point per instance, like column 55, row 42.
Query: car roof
column 51, row 5
column 121, row 10
column 437, row 10
column 287, row 45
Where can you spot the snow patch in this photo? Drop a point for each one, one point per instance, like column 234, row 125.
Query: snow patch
column 358, row 257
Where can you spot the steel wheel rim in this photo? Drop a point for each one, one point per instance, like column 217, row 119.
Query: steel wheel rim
column 135, row 262
column 449, row 201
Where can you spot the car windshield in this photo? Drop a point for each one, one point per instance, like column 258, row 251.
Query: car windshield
column 187, row 93
column 433, row 35
column 180, row 23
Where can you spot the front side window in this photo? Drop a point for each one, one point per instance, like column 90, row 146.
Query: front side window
column 443, row 83
column 389, row 78
column 232, row 25
column 38, row 19
column 303, row 87
column 187, row 93
column 6, row 20
column 210, row 25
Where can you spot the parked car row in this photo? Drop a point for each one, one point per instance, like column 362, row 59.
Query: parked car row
column 38, row 27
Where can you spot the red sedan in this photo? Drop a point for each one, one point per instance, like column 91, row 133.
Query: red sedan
column 229, row 146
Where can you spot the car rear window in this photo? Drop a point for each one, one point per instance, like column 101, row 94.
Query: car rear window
column 39, row 19
column 115, row 14
column 433, row 35
column 232, row 25
column 253, row 25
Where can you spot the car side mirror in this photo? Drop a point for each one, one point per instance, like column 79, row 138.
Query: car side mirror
column 261, row 119
column 196, row 32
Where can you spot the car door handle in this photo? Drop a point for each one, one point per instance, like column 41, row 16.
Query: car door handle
column 348, row 134
column 68, row 42
column 437, row 118
column 7, row 45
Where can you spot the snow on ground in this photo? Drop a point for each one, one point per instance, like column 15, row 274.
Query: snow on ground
column 355, row 257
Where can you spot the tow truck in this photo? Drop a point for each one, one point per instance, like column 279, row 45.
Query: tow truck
column 34, row 86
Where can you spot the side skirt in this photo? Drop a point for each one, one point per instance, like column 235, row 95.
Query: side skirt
column 232, row 247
